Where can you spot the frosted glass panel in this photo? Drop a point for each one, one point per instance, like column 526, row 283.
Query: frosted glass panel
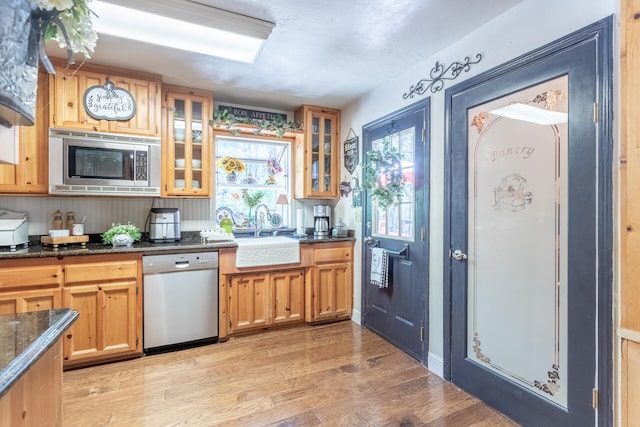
column 517, row 307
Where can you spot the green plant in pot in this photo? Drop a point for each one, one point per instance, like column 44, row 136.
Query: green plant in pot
column 121, row 235
column 251, row 200
column 382, row 175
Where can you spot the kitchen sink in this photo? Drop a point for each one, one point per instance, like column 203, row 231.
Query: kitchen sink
column 259, row 251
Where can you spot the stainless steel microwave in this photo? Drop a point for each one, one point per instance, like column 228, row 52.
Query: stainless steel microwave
column 103, row 164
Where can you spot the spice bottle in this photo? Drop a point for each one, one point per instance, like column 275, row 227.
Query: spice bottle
column 57, row 220
column 71, row 219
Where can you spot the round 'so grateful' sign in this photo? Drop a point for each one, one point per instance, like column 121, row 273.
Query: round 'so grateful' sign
column 109, row 102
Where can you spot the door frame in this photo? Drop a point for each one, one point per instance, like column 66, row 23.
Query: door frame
column 426, row 152
column 601, row 31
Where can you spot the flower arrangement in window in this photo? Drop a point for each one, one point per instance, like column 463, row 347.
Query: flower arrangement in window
column 231, row 165
column 382, row 174
column 273, row 168
column 66, row 21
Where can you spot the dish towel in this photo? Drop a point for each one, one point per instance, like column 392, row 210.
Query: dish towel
column 379, row 267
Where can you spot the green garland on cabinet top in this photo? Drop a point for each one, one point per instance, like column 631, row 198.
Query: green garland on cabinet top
column 232, row 124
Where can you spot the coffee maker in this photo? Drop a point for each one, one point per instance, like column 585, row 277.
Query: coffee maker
column 321, row 221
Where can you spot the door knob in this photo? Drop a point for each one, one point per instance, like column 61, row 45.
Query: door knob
column 458, row 255
column 368, row 240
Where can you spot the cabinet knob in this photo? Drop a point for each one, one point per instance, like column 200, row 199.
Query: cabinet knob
column 69, row 336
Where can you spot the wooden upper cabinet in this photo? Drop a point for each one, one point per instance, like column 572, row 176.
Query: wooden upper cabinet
column 187, row 143
column 30, row 174
column 148, row 107
column 68, row 87
column 68, row 91
column 317, row 153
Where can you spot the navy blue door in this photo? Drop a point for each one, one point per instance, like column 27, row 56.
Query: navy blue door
column 397, row 311
column 528, row 234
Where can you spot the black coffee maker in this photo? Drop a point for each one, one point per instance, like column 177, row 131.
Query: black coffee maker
column 321, row 221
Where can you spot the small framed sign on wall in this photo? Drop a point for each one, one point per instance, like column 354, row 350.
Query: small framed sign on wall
column 108, row 102
column 351, row 152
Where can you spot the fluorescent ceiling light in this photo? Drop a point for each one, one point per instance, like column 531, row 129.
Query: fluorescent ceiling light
column 529, row 113
column 183, row 25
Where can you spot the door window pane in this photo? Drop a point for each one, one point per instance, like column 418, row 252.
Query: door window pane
column 397, row 220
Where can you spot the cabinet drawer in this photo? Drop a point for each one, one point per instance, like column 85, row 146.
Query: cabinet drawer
column 92, row 272
column 41, row 276
column 332, row 254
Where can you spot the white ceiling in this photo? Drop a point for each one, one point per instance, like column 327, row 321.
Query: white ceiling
column 322, row 52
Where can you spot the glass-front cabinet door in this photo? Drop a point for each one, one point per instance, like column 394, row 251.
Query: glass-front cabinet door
column 187, row 144
column 317, row 156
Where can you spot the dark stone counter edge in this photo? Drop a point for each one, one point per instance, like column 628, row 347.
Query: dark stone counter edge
column 186, row 245
column 21, row 364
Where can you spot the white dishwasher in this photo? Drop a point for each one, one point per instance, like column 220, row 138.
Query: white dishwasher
column 180, row 300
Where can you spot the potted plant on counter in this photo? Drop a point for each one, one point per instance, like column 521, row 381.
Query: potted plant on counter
column 121, row 235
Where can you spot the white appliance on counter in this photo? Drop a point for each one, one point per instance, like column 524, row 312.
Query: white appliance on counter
column 14, row 229
column 180, row 300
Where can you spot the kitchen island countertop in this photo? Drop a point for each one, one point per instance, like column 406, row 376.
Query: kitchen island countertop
column 25, row 337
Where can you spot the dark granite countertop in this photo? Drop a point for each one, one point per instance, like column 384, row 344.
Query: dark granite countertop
column 189, row 242
column 25, row 337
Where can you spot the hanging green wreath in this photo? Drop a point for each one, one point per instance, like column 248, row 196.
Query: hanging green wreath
column 382, row 174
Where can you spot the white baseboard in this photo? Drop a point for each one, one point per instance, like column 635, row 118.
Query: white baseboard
column 356, row 316
column 435, row 364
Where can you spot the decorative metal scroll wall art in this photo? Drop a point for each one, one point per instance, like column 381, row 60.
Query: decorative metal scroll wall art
column 439, row 74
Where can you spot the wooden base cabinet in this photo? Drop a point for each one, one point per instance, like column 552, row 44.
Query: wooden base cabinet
column 249, row 302
column 331, row 293
column 30, row 300
column 260, row 300
column 36, row 398
column 288, row 296
column 30, row 285
column 319, row 289
column 106, row 294
column 104, row 289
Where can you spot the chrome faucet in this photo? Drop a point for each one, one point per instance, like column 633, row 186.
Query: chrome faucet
column 259, row 219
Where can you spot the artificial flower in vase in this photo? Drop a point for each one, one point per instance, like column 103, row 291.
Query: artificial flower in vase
column 25, row 26
column 231, row 166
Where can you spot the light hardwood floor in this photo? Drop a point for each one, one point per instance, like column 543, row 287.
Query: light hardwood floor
column 330, row 375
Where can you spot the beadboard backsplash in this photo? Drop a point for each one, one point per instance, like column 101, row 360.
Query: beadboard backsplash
column 101, row 212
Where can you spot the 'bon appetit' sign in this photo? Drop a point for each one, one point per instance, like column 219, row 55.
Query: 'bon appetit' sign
column 109, row 102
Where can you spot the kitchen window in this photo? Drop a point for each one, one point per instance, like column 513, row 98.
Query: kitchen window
column 244, row 169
